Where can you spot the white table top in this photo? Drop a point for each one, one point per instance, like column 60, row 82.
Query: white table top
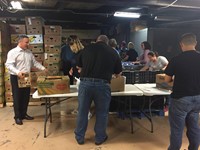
column 130, row 90
column 149, row 89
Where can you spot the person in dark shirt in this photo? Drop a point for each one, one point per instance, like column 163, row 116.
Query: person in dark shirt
column 67, row 58
column 185, row 103
column 131, row 54
column 96, row 63
column 123, row 50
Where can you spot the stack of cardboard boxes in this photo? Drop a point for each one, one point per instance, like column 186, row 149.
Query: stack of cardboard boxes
column 15, row 30
column 34, row 30
column 45, row 44
column 52, row 44
column 4, row 48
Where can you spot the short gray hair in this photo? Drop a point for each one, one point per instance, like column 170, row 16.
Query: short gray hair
column 20, row 37
column 188, row 39
column 103, row 38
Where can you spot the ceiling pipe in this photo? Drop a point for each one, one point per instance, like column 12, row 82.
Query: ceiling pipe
column 70, row 11
column 179, row 22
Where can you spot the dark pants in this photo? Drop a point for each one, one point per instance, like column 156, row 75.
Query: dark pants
column 100, row 93
column 66, row 66
column 20, row 98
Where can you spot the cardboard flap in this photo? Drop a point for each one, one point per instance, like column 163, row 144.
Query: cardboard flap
column 53, row 77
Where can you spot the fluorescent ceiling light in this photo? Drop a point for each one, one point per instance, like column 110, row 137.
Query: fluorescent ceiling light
column 134, row 8
column 16, row 5
column 127, row 14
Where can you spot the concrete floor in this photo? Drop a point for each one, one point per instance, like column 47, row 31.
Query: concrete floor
column 61, row 137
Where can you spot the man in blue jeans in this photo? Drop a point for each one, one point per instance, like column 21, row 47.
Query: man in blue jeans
column 96, row 63
column 185, row 103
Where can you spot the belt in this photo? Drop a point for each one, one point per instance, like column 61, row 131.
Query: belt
column 94, row 80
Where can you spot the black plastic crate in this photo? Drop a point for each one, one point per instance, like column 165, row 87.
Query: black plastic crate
column 133, row 77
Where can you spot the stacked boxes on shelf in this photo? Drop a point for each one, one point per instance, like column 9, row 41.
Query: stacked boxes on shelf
column 52, row 45
column 34, row 29
column 4, row 48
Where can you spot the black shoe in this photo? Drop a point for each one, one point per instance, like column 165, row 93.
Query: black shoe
column 18, row 121
column 99, row 143
column 27, row 117
column 80, row 142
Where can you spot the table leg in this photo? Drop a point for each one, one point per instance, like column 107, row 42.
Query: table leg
column 150, row 113
column 130, row 111
column 45, row 116
column 50, row 114
column 149, row 117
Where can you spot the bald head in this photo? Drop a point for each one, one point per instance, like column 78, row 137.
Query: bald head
column 103, row 38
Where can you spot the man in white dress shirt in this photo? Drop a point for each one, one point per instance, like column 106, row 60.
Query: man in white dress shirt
column 19, row 62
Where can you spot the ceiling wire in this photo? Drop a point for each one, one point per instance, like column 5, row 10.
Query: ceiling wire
column 4, row 2
column 169, row 5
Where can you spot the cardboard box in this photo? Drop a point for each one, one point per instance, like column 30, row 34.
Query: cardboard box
column 8, row 86
column 8, row 96
column 35, row 39
column 34, row 20
column 52, row 30
column 34, row 29
column 52, row 39
column 6, row 77
column 24, row 82
column 53, row 85
column 54, row 73
column 39, row 57
column 36, row 48
column 52, row 48
column 52, row 57
column 17, row 29
column 14, row 38
column 34, row 77
column 52, row 65
column 160, row 82
column 118, row 84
